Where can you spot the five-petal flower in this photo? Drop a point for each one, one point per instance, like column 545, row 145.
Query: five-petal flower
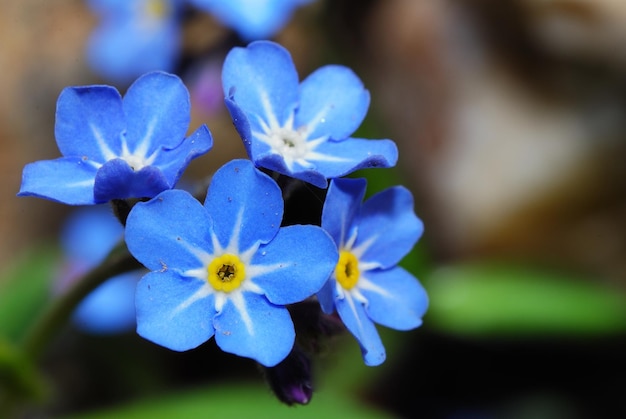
column 134, row 37
column 367, row 287
column 300, row 130
column 117, row 149
column 226, row 269
column 252, row 19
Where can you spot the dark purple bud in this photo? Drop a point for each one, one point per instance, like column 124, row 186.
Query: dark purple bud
column 291, row 379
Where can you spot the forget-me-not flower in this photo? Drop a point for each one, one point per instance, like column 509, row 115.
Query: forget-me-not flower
column 300, row 130
column 134, row 37
column 226, row 269
column 367, row 287
column 87, row 237
column 116, row 148
column 251, row 19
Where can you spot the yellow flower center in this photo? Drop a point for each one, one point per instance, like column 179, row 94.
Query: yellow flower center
column 347, row 270
column 226, row 273
column 156, row 9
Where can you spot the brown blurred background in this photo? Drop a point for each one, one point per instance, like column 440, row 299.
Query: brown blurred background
column 512, row 118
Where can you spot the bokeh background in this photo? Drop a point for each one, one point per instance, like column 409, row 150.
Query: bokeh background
column 510, row 118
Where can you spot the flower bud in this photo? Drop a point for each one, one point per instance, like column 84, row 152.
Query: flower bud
column 291, row 380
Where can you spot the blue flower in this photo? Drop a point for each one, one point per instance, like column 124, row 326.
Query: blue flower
column 252, row 19
column 134, row 37
column 87, row 238
column 300, row 130
column 117, row 149
column 225, row 269
column 367, row 287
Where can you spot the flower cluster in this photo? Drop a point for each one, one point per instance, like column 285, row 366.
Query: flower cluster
column 231, row 268
column 134, row 37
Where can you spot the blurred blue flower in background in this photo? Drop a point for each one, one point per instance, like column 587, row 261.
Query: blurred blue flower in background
column 116, row 149
column 225, row 269
column 367, row 287
column 134, row 37
column 87, row 237
column 300, row 130
column 251, row 19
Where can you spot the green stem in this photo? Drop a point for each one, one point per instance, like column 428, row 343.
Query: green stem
column 56, row 314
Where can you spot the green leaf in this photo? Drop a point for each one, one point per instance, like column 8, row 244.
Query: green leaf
column 25, row 291
column 500, row 299
column 239, row 401
column 19, row 379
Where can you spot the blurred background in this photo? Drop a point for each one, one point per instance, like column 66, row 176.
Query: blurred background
column 510, row 118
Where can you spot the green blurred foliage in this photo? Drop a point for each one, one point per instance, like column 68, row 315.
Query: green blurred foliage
column 19, row 379
column 240, row 400
column 495, row 298
column 25, row 291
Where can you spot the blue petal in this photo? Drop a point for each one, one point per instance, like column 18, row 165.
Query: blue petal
column 172, row 162
column 124, row 47
column 327, row 296
column 89, row 122
column 167, row 232
column 169, row 312
column 335, row 159
column 299, row 261
column 388, row 221
column 362, row 328
column 90, row 233
column 343, row 202
column 246, row 205
column 276, row 162
column 262, row 80
column 344, row 157
column 402, row 303
column 260, row 330
column 242, row 125
column 69, row 180
column 158, row 110
column 110, row 308
column 251, row 19
column 117, row 180
column 333, row 102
